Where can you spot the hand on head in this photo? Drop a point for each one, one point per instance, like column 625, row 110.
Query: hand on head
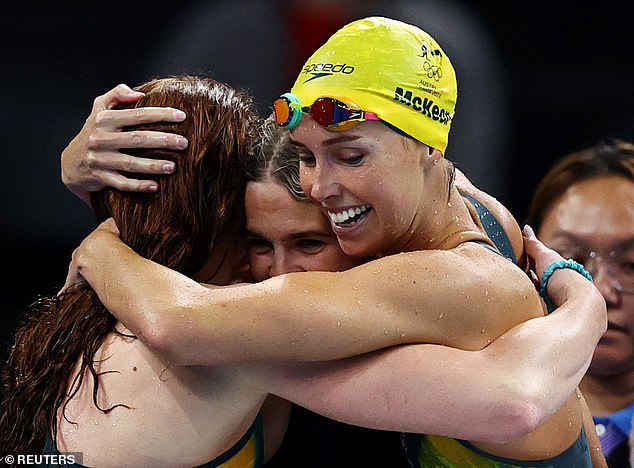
column 93, row 159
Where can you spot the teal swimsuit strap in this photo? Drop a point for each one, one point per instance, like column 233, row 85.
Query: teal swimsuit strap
column 492, row 228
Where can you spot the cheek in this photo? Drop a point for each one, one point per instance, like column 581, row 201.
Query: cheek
column 306, row 178
column 628, row 306
column 260, row 267
column 332, row 259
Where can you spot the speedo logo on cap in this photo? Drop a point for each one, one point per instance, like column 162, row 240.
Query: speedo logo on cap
column 318, row 70
column 425, row 106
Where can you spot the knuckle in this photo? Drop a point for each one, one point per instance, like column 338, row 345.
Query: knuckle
column 91, row 159
column 127, row 165
column 103, row 117
column 137, row 139
column 93, row 141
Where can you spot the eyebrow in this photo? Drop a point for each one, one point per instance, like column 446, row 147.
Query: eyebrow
column 621, row 244
column 329, row 142
column 294, row 235
column 626, row 243
column 299, row 235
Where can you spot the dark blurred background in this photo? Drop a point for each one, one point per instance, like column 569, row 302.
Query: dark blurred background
column 535, row 83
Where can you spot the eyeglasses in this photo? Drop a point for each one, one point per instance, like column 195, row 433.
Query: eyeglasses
column 328, row 112
column 619, row 264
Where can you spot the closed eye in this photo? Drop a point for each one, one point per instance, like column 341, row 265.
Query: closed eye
column 311, row 245
column 259, row 246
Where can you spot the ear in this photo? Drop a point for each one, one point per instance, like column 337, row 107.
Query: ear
column 435, row 155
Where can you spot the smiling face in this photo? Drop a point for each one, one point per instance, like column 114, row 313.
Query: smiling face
column 370, row 180
column 287, row 235
column 598, row 214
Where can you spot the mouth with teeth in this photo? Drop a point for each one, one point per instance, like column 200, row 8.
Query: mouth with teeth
column 350, row 216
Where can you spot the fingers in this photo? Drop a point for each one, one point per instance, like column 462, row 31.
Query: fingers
column 120, row 93
column 96, row 157
column 101, row 140
column 118, row 118
column 125, row 184
column 540, row 255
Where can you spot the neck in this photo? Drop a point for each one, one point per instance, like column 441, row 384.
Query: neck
column 606, row 395
column 458, row 223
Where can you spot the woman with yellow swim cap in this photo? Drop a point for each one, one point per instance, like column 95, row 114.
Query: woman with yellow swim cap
column 370, row 113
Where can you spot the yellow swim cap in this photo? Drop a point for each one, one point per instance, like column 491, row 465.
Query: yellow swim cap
column 390, row 68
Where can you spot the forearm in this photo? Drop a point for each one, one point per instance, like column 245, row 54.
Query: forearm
column 514, row 384
column 413, row 388
column 193, row 324
column 310, row 315
column 304, row 316
column 119, row 276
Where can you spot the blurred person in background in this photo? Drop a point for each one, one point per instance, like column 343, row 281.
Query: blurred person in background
column 584, row 209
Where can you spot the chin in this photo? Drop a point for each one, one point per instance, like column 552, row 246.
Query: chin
column 609, row 362
column 356, row 249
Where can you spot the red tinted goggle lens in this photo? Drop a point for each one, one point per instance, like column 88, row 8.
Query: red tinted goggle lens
column 327, row 112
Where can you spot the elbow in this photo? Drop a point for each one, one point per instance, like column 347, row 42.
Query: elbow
column 526, row 415
column 520, row 414
column 157, row 332
column 514, row 421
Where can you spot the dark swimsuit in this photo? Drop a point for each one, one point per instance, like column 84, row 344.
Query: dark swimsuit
column 248, row 452
column 493, row 229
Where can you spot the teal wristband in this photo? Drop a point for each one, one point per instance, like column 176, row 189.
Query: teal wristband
column 548, row 272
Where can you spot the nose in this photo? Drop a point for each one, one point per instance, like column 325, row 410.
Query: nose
column 283, row 263
column 318, row 182
column 605, row 283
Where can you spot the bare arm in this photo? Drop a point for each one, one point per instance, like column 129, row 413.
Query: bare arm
column 306, row 316
column 505, row 390
column 92, row 160
column 495, row 395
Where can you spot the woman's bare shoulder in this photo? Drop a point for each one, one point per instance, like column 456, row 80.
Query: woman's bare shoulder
column 502, row 214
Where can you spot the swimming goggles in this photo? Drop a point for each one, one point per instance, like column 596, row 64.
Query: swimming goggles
column 328, row 112
column 619, row 264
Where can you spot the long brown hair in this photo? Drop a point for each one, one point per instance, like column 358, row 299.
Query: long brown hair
column 176, row 227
